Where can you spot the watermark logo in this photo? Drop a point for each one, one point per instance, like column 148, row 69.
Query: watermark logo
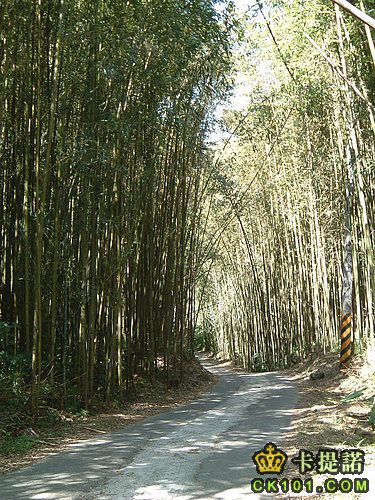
column 330, row 461
column 272, row 460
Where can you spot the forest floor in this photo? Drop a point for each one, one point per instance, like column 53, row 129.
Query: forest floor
column 324, row 419
column 151, row 399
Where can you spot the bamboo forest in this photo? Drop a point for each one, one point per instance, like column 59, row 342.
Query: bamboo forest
column 181, row 176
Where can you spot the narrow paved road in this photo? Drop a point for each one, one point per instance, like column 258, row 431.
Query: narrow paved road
column 199, row 451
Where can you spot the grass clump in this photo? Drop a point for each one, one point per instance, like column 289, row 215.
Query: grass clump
column 18, row 445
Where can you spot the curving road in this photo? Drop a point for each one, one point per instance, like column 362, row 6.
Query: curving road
column 199, row 451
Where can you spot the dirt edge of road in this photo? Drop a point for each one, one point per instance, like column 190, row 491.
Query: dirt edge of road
column 328, row 416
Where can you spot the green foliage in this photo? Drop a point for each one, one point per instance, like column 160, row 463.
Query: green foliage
column 19, row 445
column 14, row 372
column 258, row 364
column 204, row 339
column 199, row 339
column 372, row 415
column 354, row 395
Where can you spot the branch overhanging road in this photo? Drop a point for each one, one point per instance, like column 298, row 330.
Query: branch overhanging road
column 199, row 451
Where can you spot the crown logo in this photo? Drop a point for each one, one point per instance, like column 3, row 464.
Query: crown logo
column 270, row 460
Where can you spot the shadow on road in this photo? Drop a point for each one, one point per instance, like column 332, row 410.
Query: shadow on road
column 216, row 453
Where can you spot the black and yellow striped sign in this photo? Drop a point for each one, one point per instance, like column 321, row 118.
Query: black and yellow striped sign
column 346, row 339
